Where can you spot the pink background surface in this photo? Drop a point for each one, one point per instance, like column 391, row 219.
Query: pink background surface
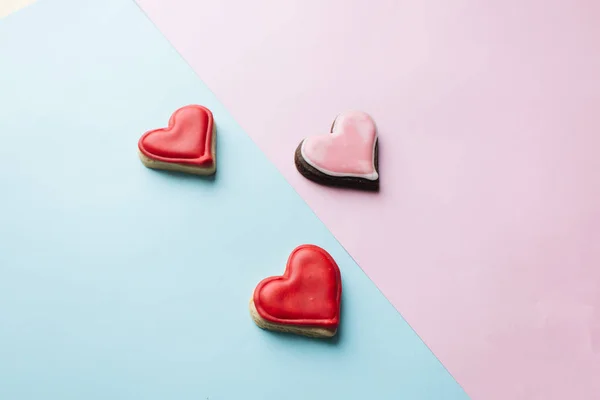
column 486, row 232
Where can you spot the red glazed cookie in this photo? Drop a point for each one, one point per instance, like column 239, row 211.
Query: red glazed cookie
column 305, row 300
column 188, row 144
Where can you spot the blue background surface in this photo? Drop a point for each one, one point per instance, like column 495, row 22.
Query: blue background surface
column 120, row 282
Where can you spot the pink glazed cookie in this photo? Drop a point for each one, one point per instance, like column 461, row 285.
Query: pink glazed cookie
column 345, row 157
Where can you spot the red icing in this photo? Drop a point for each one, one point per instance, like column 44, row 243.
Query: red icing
column 308, row 293
column 187, row 139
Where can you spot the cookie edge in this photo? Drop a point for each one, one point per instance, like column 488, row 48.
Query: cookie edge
column 309, row 331
column 313, row 174
column 177, row 167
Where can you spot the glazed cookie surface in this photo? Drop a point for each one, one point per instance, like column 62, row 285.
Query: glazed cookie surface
column 346, row 157
column 188, row 144
column 305, row 300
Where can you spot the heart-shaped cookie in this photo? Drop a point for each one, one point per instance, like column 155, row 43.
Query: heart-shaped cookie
column 345, row 157
column 188, row 144
column 305, row 300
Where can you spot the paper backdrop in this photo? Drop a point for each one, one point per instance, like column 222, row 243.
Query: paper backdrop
column 486, row 232
column 121, row 282
column 9, row 6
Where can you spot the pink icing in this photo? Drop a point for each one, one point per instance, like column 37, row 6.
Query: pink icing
column 348, row 151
